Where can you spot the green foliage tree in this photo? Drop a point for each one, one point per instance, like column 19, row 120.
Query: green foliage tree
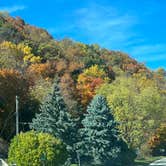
column 135, row 107
column 36, row 149
column 41, row 89
column 35, row 34
column 138, row 104
column 55, row 119
column 49, row 50
column 100, row 144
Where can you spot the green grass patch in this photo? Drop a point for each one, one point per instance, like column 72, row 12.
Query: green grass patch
column 146, row 161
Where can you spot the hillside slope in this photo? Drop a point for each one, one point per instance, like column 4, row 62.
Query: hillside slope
column 30, row 61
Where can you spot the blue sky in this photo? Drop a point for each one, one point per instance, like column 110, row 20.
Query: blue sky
column 137, row 27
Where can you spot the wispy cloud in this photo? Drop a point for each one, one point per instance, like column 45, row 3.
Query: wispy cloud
column 100, row 22
column 60, row 30
column 155, row 58
column 115, row 29
column 12, row 9
column 149, row 49
column 149, row 53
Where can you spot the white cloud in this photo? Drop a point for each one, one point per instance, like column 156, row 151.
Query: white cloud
column 106, row 25
column 12, row 9
column 149, row 48
column 113, row 29
column 155, row 58
column 60, row 29
column 149, row 53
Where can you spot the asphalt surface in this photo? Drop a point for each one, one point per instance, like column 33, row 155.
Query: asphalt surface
column 3, row 163
column 161, row 162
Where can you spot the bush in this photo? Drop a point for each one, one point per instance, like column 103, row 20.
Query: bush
column 36, row 149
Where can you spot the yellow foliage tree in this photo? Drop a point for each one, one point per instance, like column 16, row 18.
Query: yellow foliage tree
column 16, row 56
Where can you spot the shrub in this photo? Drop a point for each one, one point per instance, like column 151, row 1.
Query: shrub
column 35, row 149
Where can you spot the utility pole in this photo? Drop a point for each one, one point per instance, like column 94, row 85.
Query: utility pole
column 17, row 117
column 78, row 158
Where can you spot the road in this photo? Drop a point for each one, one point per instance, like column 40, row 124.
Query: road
column 161, row 162
column 3, row 163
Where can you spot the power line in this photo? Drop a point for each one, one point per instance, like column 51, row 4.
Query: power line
column 25, row 123
column 11, row 114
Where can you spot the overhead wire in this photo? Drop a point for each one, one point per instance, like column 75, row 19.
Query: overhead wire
column 11, row 114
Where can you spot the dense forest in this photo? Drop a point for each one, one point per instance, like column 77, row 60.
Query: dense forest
column 32, row 61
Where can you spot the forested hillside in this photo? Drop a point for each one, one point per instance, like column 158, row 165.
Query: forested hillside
column 31, row 60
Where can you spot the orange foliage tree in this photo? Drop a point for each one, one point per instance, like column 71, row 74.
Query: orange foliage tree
column 157, row 142
column 88, row 81
column 43, row 70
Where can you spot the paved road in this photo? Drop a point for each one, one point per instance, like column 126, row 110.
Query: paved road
column 161, row 162
column 3, row 163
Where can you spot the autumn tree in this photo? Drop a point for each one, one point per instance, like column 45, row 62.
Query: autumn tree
column 69, row 92
column 157, row 142
column 49, row 50
column 37, row 35
column 41, row 88
column 135, row 108
column 12, row 83
column 160, row 79
column 88, row 81
column 16, row 56
column 8, row 32
column 41, row 71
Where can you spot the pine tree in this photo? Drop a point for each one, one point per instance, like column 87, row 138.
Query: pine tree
column 100, row 139
column 55, row 119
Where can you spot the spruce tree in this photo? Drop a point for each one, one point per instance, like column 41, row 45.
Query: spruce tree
column 99, row 144
column 54, row 118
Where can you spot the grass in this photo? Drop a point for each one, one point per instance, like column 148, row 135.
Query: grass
column 146, row 161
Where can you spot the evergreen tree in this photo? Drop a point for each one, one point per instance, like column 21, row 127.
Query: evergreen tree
column 100, row 142
column 55, row 119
